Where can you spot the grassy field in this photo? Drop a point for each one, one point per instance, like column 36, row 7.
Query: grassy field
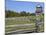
column 10, row 23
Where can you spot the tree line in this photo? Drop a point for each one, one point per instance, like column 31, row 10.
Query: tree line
column 9, row 13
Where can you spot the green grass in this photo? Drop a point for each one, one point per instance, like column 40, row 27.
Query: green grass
column 31, row 19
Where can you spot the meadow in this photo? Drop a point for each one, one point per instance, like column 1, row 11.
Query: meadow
column 22, row 23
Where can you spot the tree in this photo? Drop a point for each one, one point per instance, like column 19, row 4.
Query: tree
column 23, row 13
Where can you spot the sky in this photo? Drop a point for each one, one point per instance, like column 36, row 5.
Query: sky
column 19, row 6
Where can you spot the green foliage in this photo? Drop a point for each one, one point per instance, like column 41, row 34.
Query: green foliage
column 9, row 13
